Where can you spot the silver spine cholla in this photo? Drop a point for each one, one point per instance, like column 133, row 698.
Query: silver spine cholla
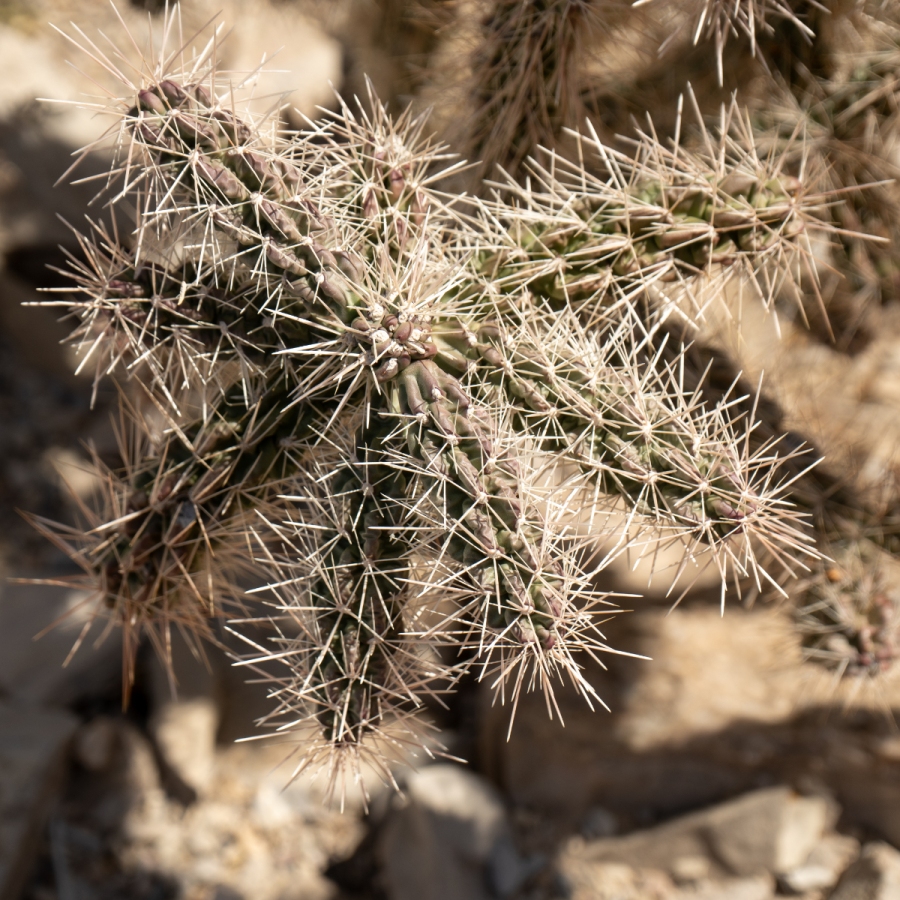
column 413, row 418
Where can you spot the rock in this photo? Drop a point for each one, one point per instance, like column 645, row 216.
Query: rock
column 768, row 831
column 771, row 830
column 637, row 759
column 760, row 887
column 888, row 748
column 599, row 823
column 870, row 797
column 672, row 744
column 33, row 746
column 248, row 837
column 874, row 876
column 584, row 880
column 690, row 869
column 96, row 743
column 615, row 881
column 449, row 838
column 184, row 732
column 185, row 715
column 808, row 878
column 507, row 870
column 823, row 866
column 135, row 805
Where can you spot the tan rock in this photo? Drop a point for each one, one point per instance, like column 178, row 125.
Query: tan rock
column 724, row 701
column 888, row 748
column 96, row 744
column 614, row 881
column 824, row 865
column 760, row 887
column 449, row 839
column 690, row 869
column 874, row 876
column 225, row 844
column 185, row 734
column 765, row 832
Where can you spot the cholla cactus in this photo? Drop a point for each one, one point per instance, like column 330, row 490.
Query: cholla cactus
column 849, row 127
column 524, row 82
column 847, row 608
column 850, row 615
column 661, row 217
column 417, row 416
column 718, row 20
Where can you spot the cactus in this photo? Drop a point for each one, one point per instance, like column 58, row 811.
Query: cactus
column 523, row 89
column 846, row 609
column 849, row 135
column 412, row 414
column 663, row 216
column 849, row 617
column 752, row 20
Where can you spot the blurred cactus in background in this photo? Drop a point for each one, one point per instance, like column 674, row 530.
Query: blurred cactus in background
column 850, row 620
column 413, row 414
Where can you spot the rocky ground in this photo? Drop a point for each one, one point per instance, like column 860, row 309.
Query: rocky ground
column 725, row 770
column 762, row 788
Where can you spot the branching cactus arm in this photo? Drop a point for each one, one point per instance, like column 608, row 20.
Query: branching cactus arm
column 666, row 218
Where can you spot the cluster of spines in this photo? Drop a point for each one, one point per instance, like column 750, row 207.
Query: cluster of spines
column 718, row 20
column 846, row 608
column 660, row 215
column 530, row 61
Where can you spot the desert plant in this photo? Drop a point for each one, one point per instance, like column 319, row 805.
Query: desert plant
column 847, row 606
column 791, row 38
column 849, row 620
column 523, row 85
column 412, row 413
column 849, row 128
column 718, row 20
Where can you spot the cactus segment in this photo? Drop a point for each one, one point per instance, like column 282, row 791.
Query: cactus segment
column 752, row 20
column 849, row 125
column 524, row 78
column 849, row 618
column 664, row 215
